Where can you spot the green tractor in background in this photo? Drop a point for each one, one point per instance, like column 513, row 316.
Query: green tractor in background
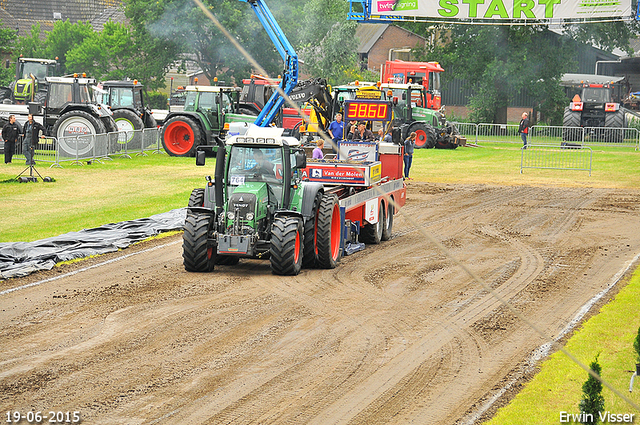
column 30, row 83
column 208, row 113
column 411, row 115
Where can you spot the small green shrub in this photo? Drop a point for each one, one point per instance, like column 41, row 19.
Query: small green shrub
column 156, row 100
column 636, row 346
column 592, row 402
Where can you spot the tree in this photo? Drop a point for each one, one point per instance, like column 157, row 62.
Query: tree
column 500, row 61
column 31, row 45
column 592, row 402
column 7, row 39
column 63, row 38
column 328, row 41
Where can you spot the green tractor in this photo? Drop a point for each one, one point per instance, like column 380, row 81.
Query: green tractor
column 258, row 206
column 208, row 112
column 30, row 83
column 411, row 115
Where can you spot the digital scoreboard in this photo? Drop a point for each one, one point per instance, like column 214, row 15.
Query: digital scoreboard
column 367, row 110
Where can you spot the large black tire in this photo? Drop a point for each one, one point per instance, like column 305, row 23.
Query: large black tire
column 286, row 246
column 387, row 229
column 425, row 135
column 197, row 198
column 197, row 256
column 615, row 127
column 310, row 257
column 372, row 233
column 329, row 232
column 150, row 121
column 571, row 123
column 181, row 136
column 67, row 128
column 129, row 125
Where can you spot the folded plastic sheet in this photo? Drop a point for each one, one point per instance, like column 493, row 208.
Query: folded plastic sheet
column 19, row 259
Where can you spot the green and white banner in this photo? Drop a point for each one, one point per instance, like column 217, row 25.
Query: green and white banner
column 504, row 9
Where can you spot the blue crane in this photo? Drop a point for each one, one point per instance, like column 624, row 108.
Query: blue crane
column 288, row 54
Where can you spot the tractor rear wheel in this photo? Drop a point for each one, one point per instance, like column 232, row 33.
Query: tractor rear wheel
column 425, row 135
column 310, row 257
column 329, row 232
column 181, row 136
column 372, row 233
column 74, row 131
column 571, row 131
column 197, row 255
column 286, row 246
column 615, row 124
column 388, row 223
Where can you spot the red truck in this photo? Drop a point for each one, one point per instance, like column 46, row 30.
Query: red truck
column 425, row 73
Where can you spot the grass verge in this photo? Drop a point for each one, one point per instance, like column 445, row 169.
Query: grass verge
column 557, row 387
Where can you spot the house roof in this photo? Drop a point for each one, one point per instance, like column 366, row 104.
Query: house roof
column 368, row 34
column 26, row 13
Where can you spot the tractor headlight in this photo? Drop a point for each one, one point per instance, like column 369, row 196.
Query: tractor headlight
column 249, row 216
column 230, row 215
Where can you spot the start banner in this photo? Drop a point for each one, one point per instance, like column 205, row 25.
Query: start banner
column 505, row 9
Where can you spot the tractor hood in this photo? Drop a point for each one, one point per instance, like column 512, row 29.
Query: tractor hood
column 248, row 204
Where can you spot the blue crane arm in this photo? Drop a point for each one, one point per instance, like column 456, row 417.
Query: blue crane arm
column 288, row 54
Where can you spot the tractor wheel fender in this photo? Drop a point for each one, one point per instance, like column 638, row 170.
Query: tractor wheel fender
column 309, row 194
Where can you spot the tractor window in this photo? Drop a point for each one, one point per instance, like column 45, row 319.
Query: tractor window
column 207, row 101
column 596, row 95
column 227, row 102
column 59, row 95
column 85, row 94
column 434, row 82
column 256, row 164
column 39, row 70
column 190, row 102
column 137, row 99
column 121, row 98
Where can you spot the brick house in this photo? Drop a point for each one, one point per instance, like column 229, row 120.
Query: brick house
column 381, row 42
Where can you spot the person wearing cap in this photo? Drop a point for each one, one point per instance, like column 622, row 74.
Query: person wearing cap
column 362, row 133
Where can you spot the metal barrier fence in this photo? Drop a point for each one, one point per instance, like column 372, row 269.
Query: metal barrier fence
column 556, row 157
column 80, row 149
column 551, row 135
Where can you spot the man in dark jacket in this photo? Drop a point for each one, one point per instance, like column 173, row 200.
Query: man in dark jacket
column 10, row 133
column 32, row 131
column 362, row 133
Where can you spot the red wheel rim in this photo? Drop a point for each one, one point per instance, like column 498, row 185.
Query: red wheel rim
column 421, row 138
column 296, row 254
column 335, row 232
column 178, row 137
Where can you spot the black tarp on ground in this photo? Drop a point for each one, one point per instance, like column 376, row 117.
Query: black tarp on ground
column 19, row 259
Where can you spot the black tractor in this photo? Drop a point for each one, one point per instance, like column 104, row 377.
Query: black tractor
column 126, row 98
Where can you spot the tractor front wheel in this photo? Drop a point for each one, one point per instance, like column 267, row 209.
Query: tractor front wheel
column 286, row 246
column 425, row 135
column 197, row 255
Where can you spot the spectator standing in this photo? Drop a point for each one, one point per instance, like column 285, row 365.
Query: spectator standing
column 336, row 129
column 32, row 131
column 10, row 133
column 524, row 128
column 409, row 146
column 317, row 151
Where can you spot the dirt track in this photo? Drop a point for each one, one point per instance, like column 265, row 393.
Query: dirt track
column 394, row 335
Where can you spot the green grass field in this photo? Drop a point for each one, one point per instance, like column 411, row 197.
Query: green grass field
column 124, row 189
column 558, row 385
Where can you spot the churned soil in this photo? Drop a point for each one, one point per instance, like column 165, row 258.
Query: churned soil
column 396, row 334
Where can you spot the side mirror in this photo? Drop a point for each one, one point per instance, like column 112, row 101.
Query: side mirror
column 200, row 158
column 301, row 160
column 7, row 64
